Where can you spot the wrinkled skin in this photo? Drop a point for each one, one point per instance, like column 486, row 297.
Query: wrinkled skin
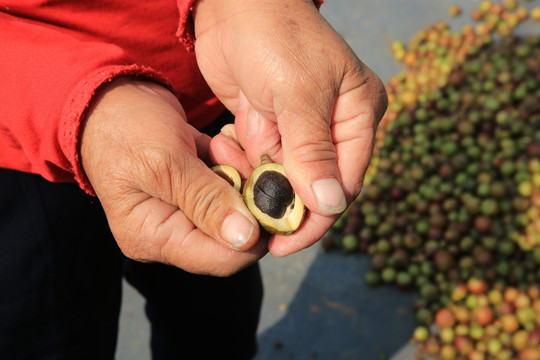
column 299, row 94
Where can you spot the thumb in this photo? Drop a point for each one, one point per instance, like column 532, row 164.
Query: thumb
column 303, row 144
column 236, row 230
column 310, row 159
column 208, row 200
column 213, row 205
column 156, row 157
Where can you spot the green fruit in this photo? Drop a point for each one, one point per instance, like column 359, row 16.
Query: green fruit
column 340, row 222
column 489, row 207
column 494, row 346
column 421, row 334
column 424, row 316
column 403, row 280
column 372, row 278
column 429, row 291
column 350, row 243
column 447, row 335
column 388, row 275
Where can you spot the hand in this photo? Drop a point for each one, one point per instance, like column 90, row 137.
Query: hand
column 161, row 200
column 299, row 94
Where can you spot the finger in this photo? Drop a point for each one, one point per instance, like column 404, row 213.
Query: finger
column 226, row 150
column 166, row 235
column 210, row 202
column 156, row 188
column 310, row 158
column 257, row 134
column 311, row 230
column 161, row 160
column 355, row 118
column 202, row 144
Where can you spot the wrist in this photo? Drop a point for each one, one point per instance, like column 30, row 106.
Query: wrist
column 208, row 13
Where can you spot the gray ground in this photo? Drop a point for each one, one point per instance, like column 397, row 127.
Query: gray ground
column 317, row 305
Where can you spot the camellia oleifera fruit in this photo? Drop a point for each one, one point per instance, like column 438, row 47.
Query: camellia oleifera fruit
column 270, row 197
column 230, row 174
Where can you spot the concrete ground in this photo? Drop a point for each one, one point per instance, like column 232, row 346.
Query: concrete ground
column 316, row 305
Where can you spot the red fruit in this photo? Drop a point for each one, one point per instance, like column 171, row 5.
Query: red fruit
column 327, row 241
column 511, row 294
column 459, row 292
column 477, row 286
column 397, row 193
column 522, row 301
column 529, row 354
column 483, row 315
column 432, row 346
column 482, row 224
column 462, row 314
column 520, row 340
column 533, row 149
column 506, row 308
column 434, row 233
column 454, row 10
column 445, row 318
column 509, row 323
column 536, row 305
column 482, row 256
column 496, row 8
column 443, row 260
column 476, row 355
column 534, row 292
column 534, row 337
column 464, row 344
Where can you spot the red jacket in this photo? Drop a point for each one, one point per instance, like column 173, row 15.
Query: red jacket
column 55, row 54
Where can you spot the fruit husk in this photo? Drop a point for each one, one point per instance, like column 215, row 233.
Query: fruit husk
column 294, row 215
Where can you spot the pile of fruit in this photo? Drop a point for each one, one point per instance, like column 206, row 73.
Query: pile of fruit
column 501, row 323
column 451, row 203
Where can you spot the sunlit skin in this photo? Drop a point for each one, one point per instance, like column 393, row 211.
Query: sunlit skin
column 314, row 109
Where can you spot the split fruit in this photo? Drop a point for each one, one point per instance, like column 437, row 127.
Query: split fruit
column 270, row 197
column 230, row 174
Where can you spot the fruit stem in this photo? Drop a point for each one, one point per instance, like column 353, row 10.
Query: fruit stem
column 265, row 159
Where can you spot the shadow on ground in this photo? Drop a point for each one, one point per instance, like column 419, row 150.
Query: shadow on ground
column 335, row 315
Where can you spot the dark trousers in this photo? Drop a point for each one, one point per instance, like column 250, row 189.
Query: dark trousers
column 61, row 277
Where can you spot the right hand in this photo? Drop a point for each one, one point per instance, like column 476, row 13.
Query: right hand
column 161, row 200
column 299, row 94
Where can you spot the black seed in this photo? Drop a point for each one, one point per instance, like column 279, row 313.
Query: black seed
column 273, row 193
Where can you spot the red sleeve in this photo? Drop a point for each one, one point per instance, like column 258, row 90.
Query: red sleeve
column 48, row 76
column 55, row 54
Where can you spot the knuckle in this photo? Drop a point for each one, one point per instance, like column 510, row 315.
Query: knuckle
column 377, row 93
column 152, row 168
column 315, row 152
column 204, row 201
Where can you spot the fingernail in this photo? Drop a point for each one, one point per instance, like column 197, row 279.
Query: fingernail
column 237, row 229
column 329, row 195
column 253, row 123
column 231, row 142
column 229, row 131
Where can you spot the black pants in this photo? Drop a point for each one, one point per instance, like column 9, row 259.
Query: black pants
column 60, row 285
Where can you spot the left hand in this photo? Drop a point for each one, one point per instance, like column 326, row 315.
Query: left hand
column 300, row 95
